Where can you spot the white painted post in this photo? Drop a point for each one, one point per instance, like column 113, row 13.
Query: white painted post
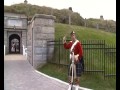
column 4, row 50
column 26, row 52
column 23, row 50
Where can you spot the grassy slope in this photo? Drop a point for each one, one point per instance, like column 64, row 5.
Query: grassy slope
column 89, row 80
column 93, row 81
column 84, row 33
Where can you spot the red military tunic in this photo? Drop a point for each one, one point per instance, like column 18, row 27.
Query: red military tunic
column 77, row 48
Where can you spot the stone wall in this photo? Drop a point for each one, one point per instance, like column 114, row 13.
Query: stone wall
column 41, row 30
column 24, row 38
column 5, row 42
column 13, row 16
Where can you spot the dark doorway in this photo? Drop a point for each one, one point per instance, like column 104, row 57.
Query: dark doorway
column 14, row 44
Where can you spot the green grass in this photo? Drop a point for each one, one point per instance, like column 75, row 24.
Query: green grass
column 84, row 33
column 88, row 80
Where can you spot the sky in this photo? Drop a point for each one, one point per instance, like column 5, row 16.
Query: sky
column 86, row 8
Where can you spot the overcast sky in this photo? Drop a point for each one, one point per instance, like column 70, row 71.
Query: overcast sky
column 86, row 8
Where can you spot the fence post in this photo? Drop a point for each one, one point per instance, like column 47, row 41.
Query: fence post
column 104, row 59
column 47, row 51
column 59, row 52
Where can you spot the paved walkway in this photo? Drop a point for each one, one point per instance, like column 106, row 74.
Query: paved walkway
column 20, row 75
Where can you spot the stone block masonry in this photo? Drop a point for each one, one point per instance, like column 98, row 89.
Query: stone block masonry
column 40, row 30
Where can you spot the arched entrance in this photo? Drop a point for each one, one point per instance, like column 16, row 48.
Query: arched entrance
column 14, row 43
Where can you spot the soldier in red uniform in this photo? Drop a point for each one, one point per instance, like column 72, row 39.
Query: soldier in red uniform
column 75, row 46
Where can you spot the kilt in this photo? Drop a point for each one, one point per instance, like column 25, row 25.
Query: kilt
column 79, row 68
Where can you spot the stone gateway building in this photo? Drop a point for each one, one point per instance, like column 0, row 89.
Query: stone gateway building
column 15, row 32
column 33, row 35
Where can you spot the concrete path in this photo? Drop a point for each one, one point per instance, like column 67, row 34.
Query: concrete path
column 20, row 75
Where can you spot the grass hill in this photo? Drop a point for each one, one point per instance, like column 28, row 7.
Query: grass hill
column 84, row 33
column 61, row 16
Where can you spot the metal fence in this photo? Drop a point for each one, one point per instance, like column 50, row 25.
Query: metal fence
column 98, row 57
column 110, row 61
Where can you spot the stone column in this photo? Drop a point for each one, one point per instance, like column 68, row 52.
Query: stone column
column 41, row 30
column 5, row 42
column 29, row 43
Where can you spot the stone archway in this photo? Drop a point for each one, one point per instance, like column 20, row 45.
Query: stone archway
column 14, row 44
